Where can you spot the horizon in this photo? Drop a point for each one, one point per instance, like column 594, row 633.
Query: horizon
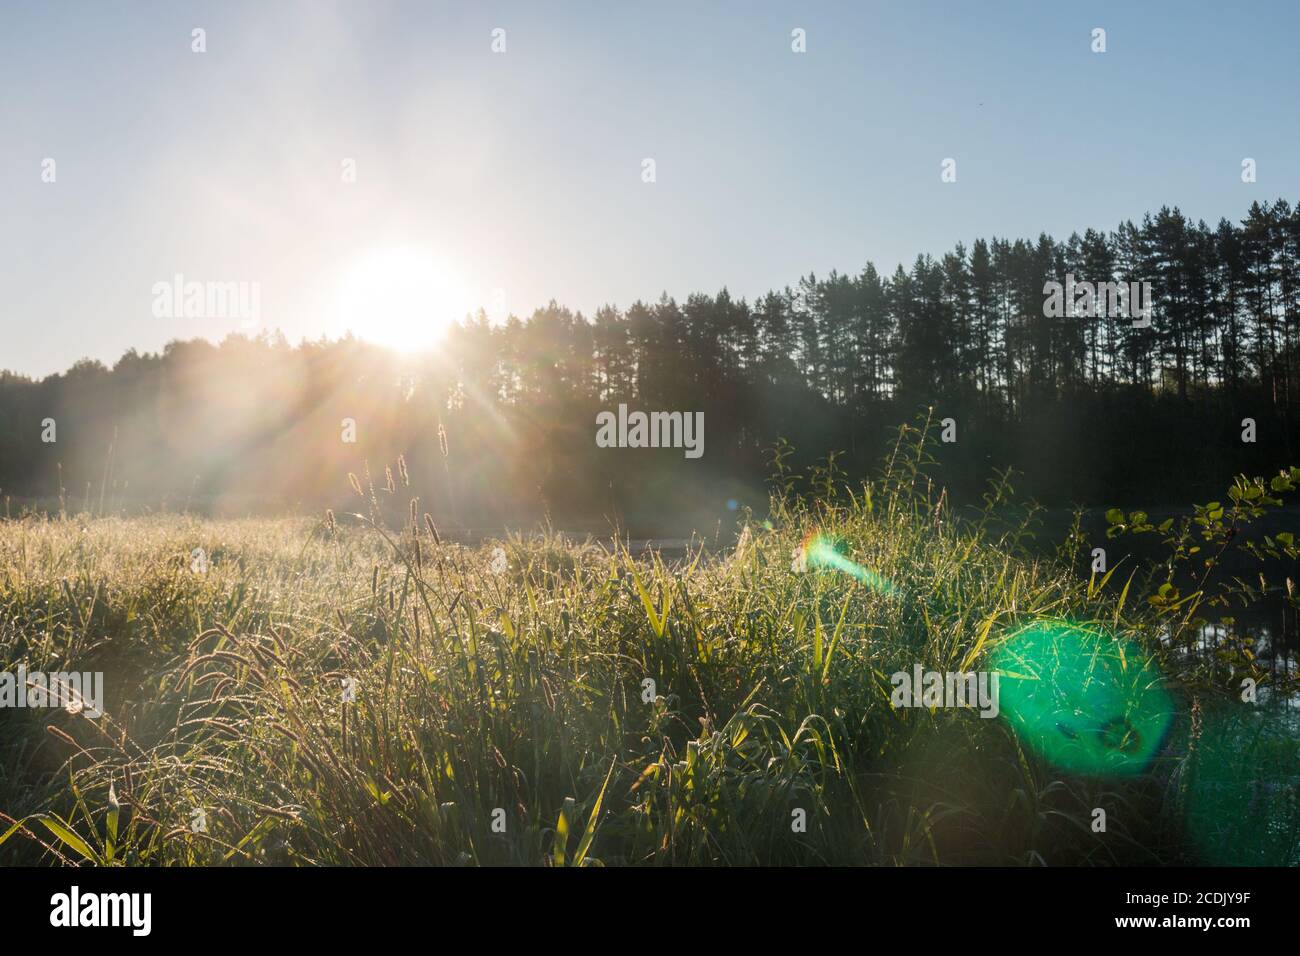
column 424, row 350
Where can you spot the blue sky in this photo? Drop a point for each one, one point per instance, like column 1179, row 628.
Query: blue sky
column 521, row 171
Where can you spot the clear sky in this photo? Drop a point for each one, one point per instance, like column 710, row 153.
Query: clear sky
column 522, row 171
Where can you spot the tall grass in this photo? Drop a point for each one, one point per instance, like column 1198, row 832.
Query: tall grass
column 502, row 713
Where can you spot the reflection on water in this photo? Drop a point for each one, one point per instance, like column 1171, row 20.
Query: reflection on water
column 1263, row 643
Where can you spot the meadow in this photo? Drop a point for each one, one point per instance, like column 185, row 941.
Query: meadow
column 355, row 689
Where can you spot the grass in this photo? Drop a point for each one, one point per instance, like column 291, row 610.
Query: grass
column 503, row 714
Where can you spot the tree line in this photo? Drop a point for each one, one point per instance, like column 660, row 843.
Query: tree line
column 498, row 422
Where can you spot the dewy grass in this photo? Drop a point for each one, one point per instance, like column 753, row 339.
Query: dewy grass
column 341, row 692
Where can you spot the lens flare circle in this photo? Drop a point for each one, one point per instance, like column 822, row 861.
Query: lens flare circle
column 1082, row 698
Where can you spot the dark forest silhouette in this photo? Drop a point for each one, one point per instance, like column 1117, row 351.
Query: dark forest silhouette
column 1091, row 410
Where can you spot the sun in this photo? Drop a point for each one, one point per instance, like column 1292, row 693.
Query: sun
column 403, row 298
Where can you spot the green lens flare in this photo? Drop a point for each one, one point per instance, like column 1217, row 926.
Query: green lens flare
column 1081, row 698
column 1240, row 784
column 819, row 552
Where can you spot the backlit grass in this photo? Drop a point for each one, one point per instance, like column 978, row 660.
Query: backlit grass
column 503, row 714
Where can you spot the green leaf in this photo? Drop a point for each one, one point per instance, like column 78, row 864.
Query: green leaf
column 255, row 834
column 110, row 824
column 66, row 834
column 593, row 820
column 559, row 849
column 835, row 639
column 1123, row 596
column 1115, row 516
column 381, row 796
column 657, row 622
column 973, row 653
column 10, row 832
